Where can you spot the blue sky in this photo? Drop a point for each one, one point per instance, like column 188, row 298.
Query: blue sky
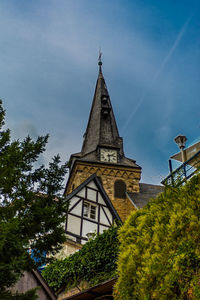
column 151, row 64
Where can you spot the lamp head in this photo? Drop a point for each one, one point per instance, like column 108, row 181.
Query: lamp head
column 180, row 140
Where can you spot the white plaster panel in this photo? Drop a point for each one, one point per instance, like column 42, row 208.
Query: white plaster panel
column 103, row 218
column 108, row 213
column 81, row 193
column 88, row 226
column 102, row 228
column 91, row 195
column 77, row 210
column 72, row 201
column 73, row 224
column 100, row 199
column 92, row 185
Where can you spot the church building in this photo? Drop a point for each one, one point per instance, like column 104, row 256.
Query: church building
column 103, row 185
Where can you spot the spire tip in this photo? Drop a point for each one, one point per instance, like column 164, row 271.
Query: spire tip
column 99, row 60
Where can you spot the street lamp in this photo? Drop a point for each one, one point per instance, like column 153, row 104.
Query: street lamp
column 180, row 140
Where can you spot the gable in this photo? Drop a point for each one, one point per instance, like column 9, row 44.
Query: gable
column 90, row 210
column 34, row 279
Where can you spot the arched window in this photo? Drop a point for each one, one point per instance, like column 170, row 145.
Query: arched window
column 120, row 189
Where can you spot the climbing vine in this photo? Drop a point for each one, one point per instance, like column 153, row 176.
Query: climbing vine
column 94, row 263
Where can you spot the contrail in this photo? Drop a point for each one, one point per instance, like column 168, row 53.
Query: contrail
column 166, row 59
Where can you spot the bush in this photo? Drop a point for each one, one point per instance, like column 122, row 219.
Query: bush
column 159, row 247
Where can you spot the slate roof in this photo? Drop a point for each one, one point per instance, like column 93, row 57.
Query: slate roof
column 102, row 129
column 93, row 157
column 147, row 191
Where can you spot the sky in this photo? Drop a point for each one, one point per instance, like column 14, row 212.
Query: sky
column 151, row 64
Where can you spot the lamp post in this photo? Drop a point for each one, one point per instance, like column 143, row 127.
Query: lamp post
column 180, row 140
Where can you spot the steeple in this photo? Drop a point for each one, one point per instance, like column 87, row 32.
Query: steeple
column 101, row 128
column 102, row 154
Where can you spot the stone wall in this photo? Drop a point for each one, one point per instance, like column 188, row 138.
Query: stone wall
column 108, row 174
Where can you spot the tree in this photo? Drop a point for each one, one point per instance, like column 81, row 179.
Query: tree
column 32, row 207
column 160, row 250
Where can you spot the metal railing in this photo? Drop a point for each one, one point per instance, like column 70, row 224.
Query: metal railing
column 180, row 175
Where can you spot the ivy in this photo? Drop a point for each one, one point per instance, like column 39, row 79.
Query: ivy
column 94, row 263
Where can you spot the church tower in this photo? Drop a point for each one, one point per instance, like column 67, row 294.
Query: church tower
column 102, row 154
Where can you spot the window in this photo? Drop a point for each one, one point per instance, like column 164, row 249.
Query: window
column 93, row 212
column 120, row 189
column 89, row 210
column 86, row 209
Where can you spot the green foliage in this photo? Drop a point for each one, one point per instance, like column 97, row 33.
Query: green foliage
column 32, row 207
column 94, row 263
column 160, row 247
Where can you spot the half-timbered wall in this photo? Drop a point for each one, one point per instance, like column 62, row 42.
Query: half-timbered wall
column 109, row 174
column 88, row 213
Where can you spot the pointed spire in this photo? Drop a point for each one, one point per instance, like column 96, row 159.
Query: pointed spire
column 102, row 128
column 100, row 61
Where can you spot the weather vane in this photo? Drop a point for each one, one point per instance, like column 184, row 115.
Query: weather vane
column 100, row 54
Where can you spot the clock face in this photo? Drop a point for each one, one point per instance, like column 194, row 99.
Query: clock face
column 108, row 155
